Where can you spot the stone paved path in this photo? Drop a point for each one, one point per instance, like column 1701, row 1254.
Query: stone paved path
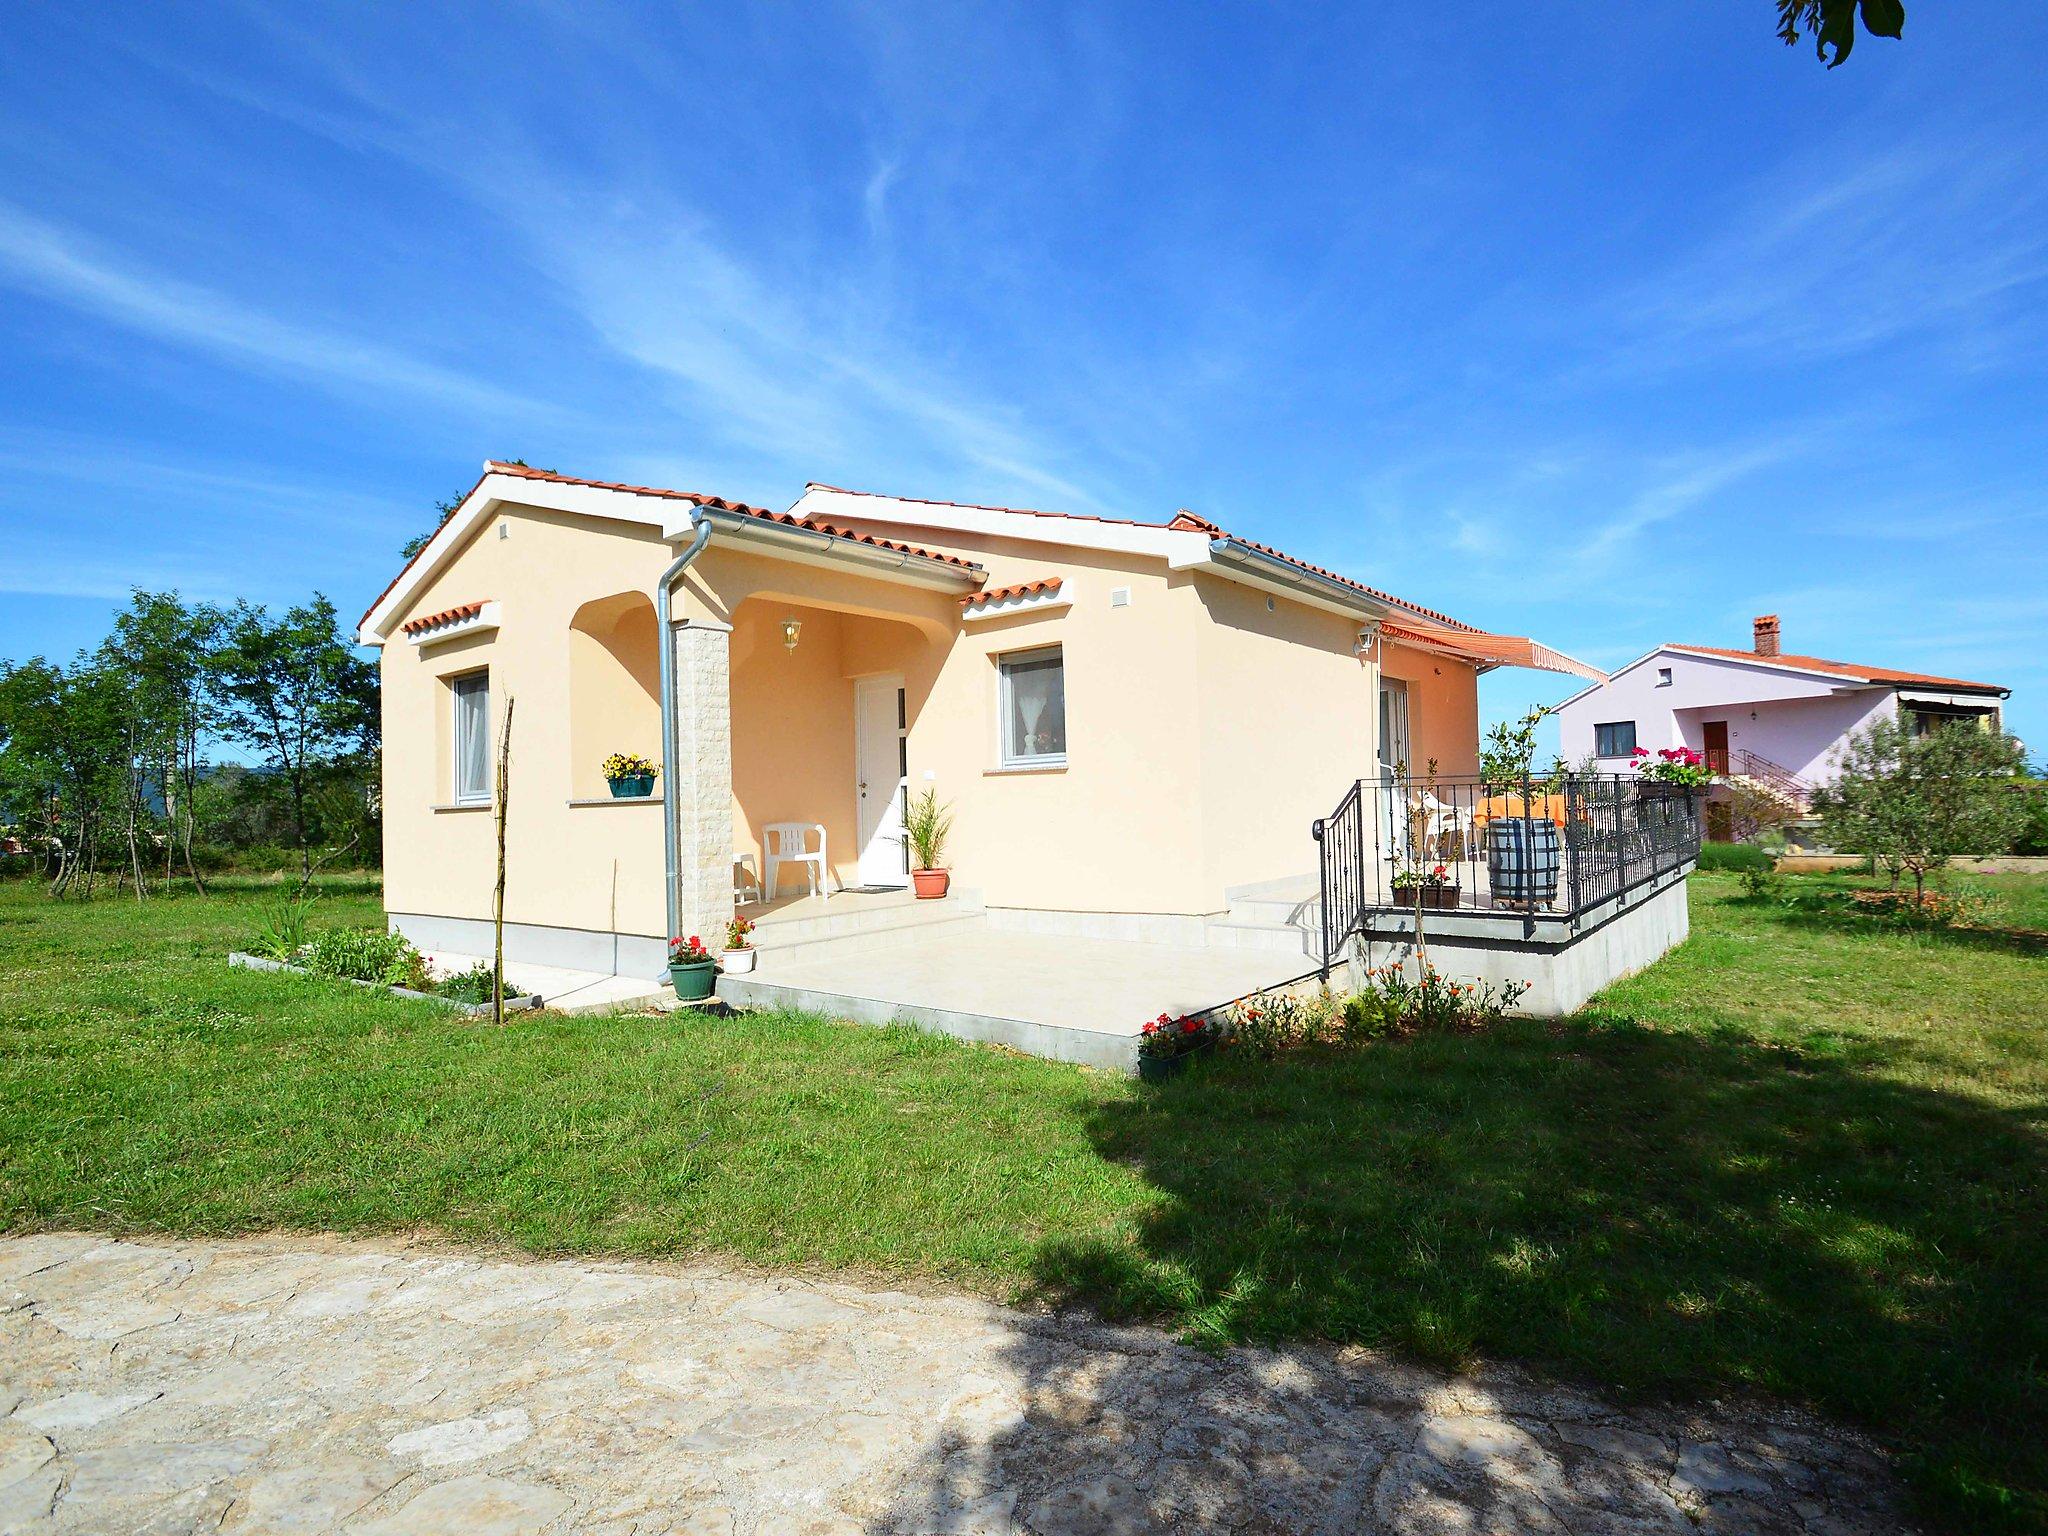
column 298, row 1385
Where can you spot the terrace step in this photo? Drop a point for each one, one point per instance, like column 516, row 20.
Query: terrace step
column 1275, row 938
column 812, row 921
column 909, row 927
column 1277, row 911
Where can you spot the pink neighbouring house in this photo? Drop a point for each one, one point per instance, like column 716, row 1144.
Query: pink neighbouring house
column 1764, row 717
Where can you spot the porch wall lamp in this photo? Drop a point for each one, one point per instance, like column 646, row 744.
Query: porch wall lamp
column 1367, row 640
column 791, row 628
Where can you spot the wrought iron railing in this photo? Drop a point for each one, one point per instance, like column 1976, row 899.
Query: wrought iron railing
column 1551, row 847
column 1344, row 864
column 1780, row 779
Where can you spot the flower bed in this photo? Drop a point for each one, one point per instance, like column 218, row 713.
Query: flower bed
column 1393, row 1003
column 372, row 957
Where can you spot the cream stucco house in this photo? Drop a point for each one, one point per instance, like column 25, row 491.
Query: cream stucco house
column 1132, row 720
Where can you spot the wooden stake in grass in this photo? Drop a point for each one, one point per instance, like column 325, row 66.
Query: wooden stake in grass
column 498, row 895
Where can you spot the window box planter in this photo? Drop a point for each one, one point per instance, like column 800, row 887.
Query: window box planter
column 1659, row 805
column 1657, row 789
column 634, row 786
column 1439, row 897
column 694, row 980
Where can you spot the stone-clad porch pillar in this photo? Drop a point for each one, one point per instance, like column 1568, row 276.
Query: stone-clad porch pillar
column 702, row 784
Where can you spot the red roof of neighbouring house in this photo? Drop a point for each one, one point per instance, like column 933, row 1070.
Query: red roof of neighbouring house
column 1182, row 521
column 1000, row 594
column 442, row 619
column 1843, row 669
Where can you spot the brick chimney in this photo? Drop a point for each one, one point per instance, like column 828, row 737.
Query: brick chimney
column 1766, row 627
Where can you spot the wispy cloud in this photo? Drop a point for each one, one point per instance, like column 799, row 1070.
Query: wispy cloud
column 1677, row 486
column 813, row 368
column 1929, row 241
column 56, row 263
column 47, row 570
column 875, row 196
column 34, row 457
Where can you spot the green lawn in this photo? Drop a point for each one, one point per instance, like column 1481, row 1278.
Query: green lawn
column 1794, row 1157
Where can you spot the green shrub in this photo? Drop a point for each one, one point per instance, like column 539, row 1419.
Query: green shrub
column 1733, row 856
column 1266, row 1025
column 472, row 986
column 1368, row 1016
column 2032, row 838
column 283, row 933
column 1762, row 883
column 368, row 954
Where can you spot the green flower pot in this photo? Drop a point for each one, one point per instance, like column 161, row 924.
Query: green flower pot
column 635, row 786
column 694, row 980
column 1157, row 1069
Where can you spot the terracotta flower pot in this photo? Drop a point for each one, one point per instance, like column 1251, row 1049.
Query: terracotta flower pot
column 931, row 884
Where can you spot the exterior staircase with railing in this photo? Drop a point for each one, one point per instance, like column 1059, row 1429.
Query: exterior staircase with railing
column 1771, row 780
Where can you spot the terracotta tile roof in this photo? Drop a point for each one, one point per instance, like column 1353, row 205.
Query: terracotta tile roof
column 442, row 619
column 1183, row 521
column 720, row 504
column 1843, row 669
column 717, row 503
column 1001, row 594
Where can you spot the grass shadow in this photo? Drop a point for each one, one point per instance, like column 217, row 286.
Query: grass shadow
column 1644, row 1210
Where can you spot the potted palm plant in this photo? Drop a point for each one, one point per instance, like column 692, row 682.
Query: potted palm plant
column 630, row 776
column 738, row 958
column 692, row 970
column 928, row 824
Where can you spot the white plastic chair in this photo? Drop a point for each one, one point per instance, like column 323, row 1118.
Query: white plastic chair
column 788, row 842
column 745, row 877
column 1442, row 822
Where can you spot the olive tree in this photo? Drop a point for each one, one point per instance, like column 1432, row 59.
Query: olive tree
column 294, row 688
column 1913, row 802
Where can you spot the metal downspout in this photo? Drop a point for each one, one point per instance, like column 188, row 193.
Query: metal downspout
column 670, row 810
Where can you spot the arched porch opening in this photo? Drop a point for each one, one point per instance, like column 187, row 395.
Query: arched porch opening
column 614, row 688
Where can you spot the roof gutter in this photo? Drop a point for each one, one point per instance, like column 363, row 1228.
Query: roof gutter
column 822, row 547
column 671, row 811
column 1271, row 569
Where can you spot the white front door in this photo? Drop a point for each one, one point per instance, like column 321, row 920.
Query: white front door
column 881, row 767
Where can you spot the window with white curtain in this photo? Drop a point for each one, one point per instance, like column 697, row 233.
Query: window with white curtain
column 472, row 700
column 1034, row 709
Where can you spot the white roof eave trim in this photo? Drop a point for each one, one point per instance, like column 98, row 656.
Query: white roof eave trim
column 675, row 517
column 810, row 547
column 672, row 516
column 1255, row 568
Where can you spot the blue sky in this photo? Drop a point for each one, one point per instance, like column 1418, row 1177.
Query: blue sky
column 1607, row 334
